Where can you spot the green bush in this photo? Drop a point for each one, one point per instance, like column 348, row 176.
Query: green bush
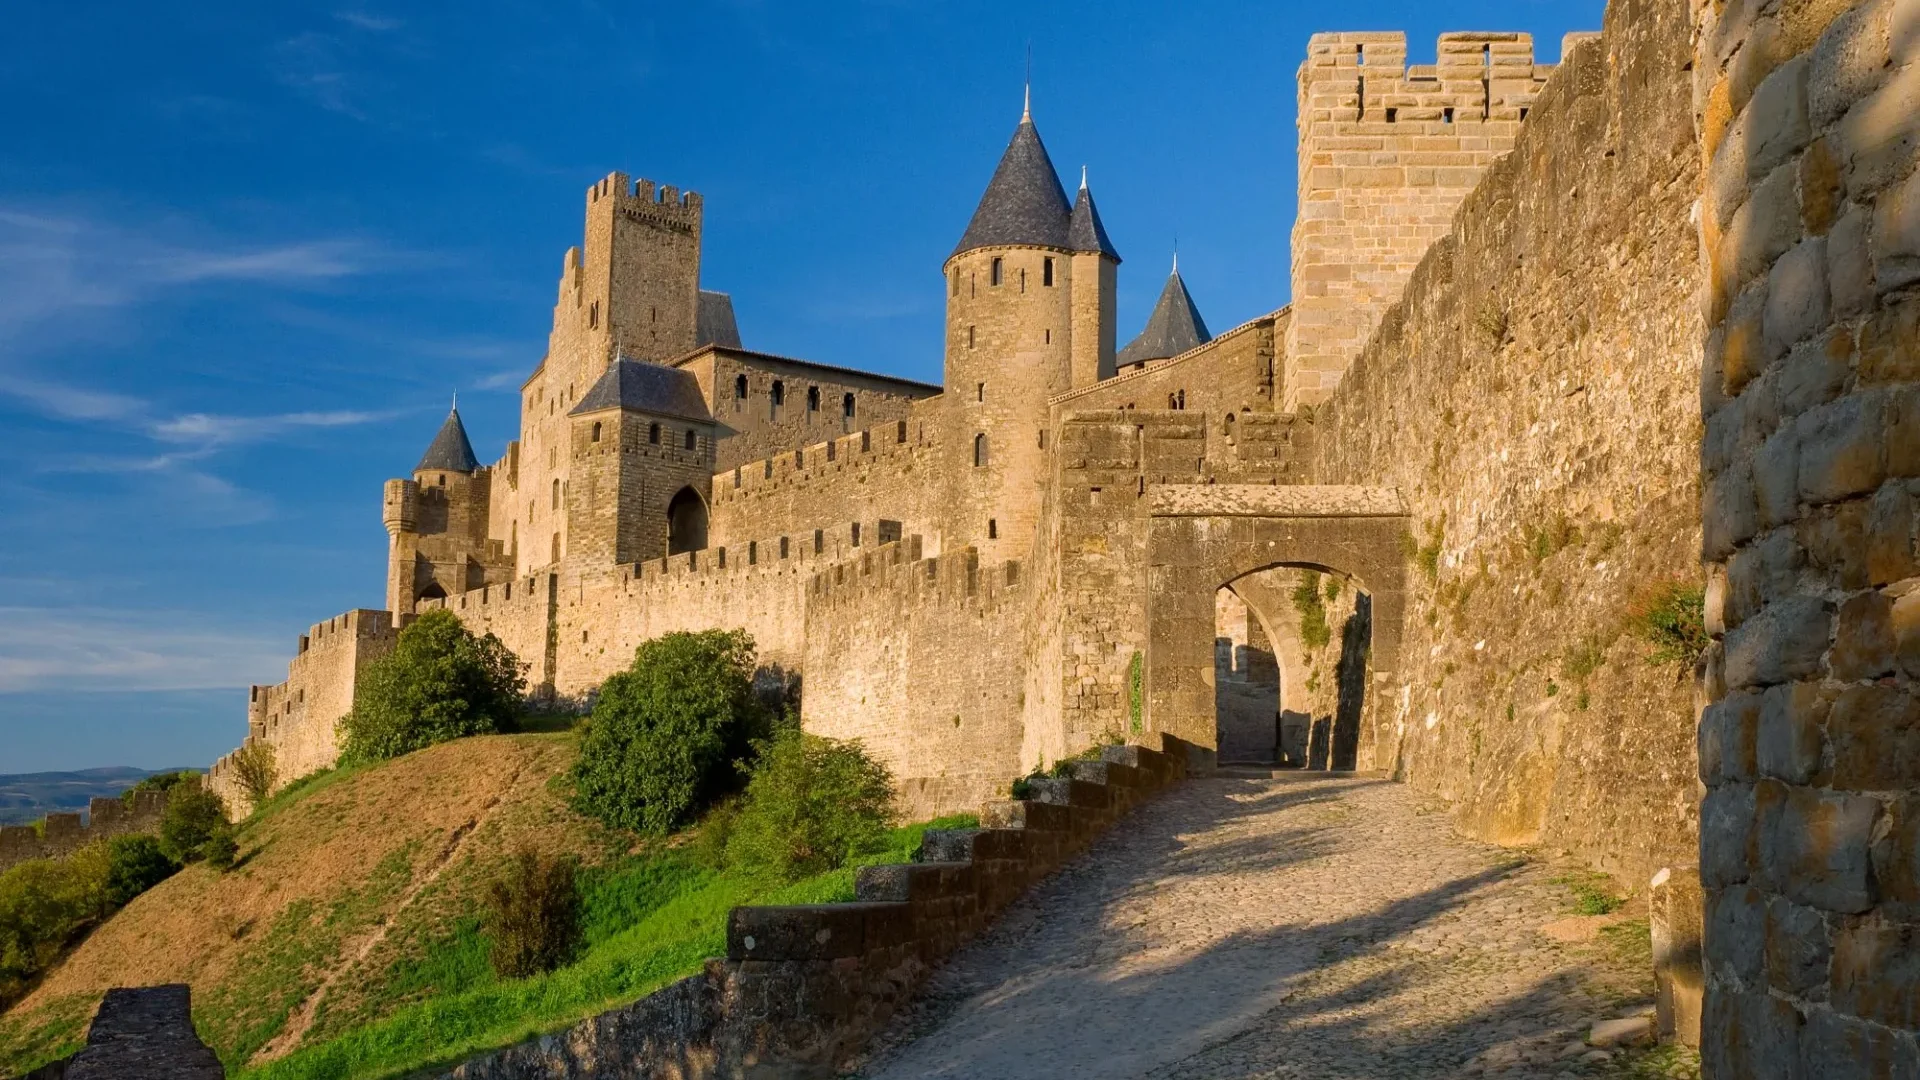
column 532, row 915
column 44, row 904
column 255, row 770
column 161, row 781
column 1314, row 631
column 440, row 682
column 193, row 815
column 665, row 735
column 135, row 864
column 222, row 848
column 813, row 804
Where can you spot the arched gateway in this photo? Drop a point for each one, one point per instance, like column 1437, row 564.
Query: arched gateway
column 1202, row 538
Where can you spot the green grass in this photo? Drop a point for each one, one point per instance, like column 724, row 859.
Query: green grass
column 647, row 921
column 1592, row 893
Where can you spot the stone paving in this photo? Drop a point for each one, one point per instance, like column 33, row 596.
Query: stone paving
column 1291, row 927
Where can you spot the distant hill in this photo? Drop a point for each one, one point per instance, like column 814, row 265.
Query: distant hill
column 26, row 797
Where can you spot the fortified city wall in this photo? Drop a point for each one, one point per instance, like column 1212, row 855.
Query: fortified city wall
column 1809, row 121
column 1532, row 398
column 1230, row 374
column 889, row 472
column 64, row 833
column 785, row 403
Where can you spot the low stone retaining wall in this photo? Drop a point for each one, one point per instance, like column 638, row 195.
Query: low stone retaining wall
column 65, row 833
column 803, row 988
column 146, row 1033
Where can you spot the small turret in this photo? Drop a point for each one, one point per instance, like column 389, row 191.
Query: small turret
column 1174, row 327
column 1095, row 263
column 450, row 450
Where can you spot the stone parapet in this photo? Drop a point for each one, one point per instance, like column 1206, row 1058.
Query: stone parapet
column 63, row 834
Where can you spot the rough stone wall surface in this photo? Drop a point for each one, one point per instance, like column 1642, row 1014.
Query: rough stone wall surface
column 1533, row 399
column 866, row 477
column 628, row 467
column 63, row 834
column 148, row 1033
column 1810, row 829
column 812, row 409
column 1387, row 152
column 913, row 657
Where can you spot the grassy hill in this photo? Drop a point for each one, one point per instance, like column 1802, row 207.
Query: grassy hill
column 346, row 944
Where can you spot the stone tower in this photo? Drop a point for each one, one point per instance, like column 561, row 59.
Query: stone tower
column 641, row 267
column 437, row 524
column 1029, row 315
column 642, row 464
column 1387, row 153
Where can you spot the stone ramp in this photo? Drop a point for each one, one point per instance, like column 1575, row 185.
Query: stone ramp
column 1292, row 926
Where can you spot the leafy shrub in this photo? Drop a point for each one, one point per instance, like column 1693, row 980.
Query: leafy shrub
column 135, row 864
column 44, row 904
column 161, row 781
column 221, row 849
column 1672, row 618
column 532, row 915
column 256, row 770
column 440, row 682
column 665, row 734
column 193, row 815
column 1136, row 691
column 813, row 804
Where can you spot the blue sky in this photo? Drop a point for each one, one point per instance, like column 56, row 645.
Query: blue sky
column 248, row 251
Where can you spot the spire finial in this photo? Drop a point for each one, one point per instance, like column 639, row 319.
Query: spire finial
column 456, row 401
column 1176, row 253
column 1026, row 105
column 1083, row 178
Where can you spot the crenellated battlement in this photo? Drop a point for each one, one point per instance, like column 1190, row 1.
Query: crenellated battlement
column 899, row 570
column 815, row 461
column 646, row 200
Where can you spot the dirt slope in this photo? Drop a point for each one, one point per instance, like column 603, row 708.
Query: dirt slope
column 334, row 886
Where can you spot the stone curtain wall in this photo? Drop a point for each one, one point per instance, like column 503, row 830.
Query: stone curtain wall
column 63, row 834
column 1533, row 397
column 869, row 476
column 1232, row 373
column 1810, row 833
column 753, row 428
column 919, row 659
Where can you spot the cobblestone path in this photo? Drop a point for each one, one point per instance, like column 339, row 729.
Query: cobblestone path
column 1310, row 927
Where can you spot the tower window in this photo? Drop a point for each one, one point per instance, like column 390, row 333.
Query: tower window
column 779, row 393
column 813, row 399
column 993, row 529
column 855, row 532
column 556, row 494
column 979, row 391
column 1023, row 279
column 979, row 450
column 846, row 406
column 783, row 547
column 740, row 388
column 1446, row 115
column 653, row 434
column 1047, row 336
column 443, row 476
column 596, row 431
column 956, row 283
column 993, row 271
column 693, row 439
column 593, row 315
column 753, row 552
column 1046, row 272
column 969, row 337
column 819, row 541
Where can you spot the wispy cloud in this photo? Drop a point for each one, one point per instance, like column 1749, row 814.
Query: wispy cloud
column 501, row 380
column 109, row 649
column 210, row 429
column 70, row 402
column 362, row 20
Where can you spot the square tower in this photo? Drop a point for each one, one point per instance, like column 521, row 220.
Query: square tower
column 1387, row 154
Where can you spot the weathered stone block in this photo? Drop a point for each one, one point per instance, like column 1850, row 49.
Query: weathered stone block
column 1817, row 852
column 1890, row 534
column 1797, row 301
column 1896, row 858
column 1730, row 516
column 1849, row 60
column 1843, row 448
column 1896, row 236
column 1815, row 372
column 1863, row 637
column 1676, row 921
column 1850, row 263
column 1834, row 538
column 1736, row 935
column 1881, row 133
column 1790, row 743
column 1776, row 478
column 1776, row 119
column 1820, row 193
column 1876, row 972
column 1836, row 1047
column 1874, row 735
column 1783, row 642
column 1906, row 633
column 1749, row 1035
column 1762, row 230
column 1726, row 835
column 1798, row 951
column 1728, row 729
column 1890, row 343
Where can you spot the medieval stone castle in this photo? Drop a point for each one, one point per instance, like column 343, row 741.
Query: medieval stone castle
column 1567, row 346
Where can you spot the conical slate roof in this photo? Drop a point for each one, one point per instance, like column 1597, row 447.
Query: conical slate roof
column 1084, row 230
column 1024, row 203
column 645, row 387
column 449, row 451
column 1174, row 327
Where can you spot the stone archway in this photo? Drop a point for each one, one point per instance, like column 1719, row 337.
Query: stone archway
column 686, row 522
column 1203, row 537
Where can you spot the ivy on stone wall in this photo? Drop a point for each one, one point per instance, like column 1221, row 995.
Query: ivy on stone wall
column 1307, row 600
column 1136, row 684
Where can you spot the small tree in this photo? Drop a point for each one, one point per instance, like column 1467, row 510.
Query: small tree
column 135, row 863
column 665, row 734
column 813, row 804
column 255, row 770
column 440, row 682
column 532, row 914
column 193, row 815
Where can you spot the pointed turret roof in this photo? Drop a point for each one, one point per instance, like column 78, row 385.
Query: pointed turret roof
column 1024, row 203
column 1174, row 327
column 449, row 451
column 1084, row 230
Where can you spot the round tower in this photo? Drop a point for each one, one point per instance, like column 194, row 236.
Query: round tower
column 1009, row 347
